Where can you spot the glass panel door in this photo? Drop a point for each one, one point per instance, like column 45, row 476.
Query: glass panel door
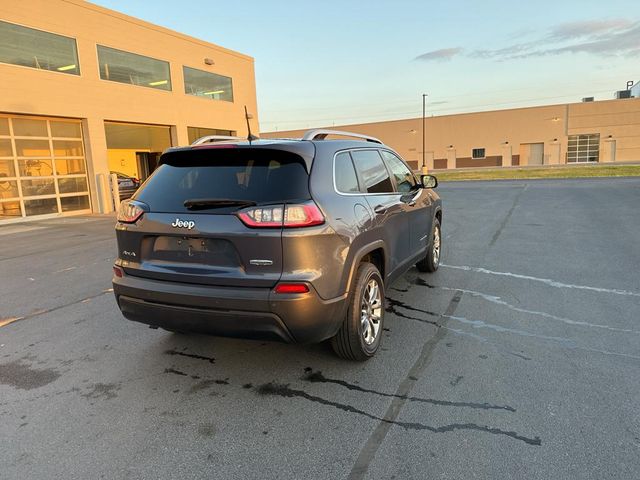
column 42, row 167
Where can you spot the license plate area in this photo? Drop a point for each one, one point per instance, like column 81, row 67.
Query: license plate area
column 184, row 249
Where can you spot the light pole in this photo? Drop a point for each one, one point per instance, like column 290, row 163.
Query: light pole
column 424, row 111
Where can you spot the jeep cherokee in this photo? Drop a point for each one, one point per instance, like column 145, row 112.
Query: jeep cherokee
column 287, row 239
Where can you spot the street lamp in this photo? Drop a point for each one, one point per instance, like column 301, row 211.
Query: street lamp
column 424, row 111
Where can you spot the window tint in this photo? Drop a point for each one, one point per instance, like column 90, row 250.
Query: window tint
column 37, row 49
column 405, row 181
column 207, row 84
column 372, row 171
column 125, row 67
column 263, row 176
column 346, row 180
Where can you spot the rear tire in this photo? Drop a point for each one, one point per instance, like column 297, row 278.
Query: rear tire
column 431, row 261
column 360, row 335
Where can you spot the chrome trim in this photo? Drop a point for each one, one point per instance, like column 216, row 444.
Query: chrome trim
column 215, row 138
column 321, row 134
column 261, row 263
column 359, row 194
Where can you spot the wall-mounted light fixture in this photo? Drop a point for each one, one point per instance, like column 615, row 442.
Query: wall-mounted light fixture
column 450, row 146
column 209, row 61
column 505, row 143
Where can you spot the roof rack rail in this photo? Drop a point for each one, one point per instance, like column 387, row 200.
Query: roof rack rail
column 320, row 134
column 215, row 138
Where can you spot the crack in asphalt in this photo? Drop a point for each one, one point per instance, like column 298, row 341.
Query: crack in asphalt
column 498, row 301
column 59, row 307
column 276, row 389
column 318, row 377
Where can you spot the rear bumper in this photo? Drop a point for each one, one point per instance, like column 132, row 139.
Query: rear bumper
column 229, row 311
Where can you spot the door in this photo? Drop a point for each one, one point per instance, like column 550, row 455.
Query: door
column 418, row 202
column 389, row 219
column 532, row 154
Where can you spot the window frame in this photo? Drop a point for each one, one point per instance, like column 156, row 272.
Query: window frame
column 75, row 40
column 393, row 177
column 361, row 183
column 170, row 90
column 355, row 171
column 484, row 153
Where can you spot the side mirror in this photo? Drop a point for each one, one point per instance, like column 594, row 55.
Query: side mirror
column 429, row 181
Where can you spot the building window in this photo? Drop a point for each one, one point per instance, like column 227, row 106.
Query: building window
column 478, row 153
column 207, row 84
column 583, row 148
column 28, row 47
column 125, row 67
column 196, row 132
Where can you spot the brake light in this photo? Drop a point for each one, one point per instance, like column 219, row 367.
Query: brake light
column 117, row 271
column 129, row 212
column 288, row 216
column 291, row 288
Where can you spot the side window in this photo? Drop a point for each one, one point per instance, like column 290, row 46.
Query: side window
column 346, row 180
column 372, row 171
column 405, row 181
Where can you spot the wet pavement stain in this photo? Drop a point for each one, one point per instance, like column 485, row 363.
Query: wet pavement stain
column 175, row 372
column 276, row 389
column 191, row 355
column 207, row 430
column 102, row 390
column 205, row 384
column 317, row 377
column 394, row 303
column 22, row 376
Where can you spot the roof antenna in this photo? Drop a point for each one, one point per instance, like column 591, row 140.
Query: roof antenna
column 250, row 136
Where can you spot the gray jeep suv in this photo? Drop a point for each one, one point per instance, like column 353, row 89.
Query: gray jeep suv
column 292, row 240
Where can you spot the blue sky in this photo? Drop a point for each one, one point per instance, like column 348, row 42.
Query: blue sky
column 331, row 62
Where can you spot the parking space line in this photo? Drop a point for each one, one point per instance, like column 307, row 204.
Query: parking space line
column 7, row 321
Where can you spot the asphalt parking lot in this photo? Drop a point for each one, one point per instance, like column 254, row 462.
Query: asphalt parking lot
column 519, row 358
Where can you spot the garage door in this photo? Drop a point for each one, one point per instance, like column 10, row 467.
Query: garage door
column 42, row 167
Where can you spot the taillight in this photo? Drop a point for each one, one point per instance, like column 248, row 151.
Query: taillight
column 288, row 216
column 117, row 271
column 129, row 211
column 291, row 288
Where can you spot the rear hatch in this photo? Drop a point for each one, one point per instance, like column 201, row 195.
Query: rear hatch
column 192, row 231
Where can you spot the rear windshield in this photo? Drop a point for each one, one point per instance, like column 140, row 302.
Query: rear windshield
column 263, row 176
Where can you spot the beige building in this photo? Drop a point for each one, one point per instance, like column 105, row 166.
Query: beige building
column 603, row 131
column 85, row 91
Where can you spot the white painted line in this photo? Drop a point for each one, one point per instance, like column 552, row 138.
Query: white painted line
column 498, row 301
column 547, row 281
column 7, row 321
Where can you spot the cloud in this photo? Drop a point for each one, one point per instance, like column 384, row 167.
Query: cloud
column 444, row 54
column 619, row 37
column 588, row 28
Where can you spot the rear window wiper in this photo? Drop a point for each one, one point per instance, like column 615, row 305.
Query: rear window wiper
column 205, row 203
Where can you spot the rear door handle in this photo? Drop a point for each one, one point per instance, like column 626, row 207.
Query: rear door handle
column 380, row 209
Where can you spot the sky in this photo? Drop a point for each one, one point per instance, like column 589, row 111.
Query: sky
column 339, row 62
